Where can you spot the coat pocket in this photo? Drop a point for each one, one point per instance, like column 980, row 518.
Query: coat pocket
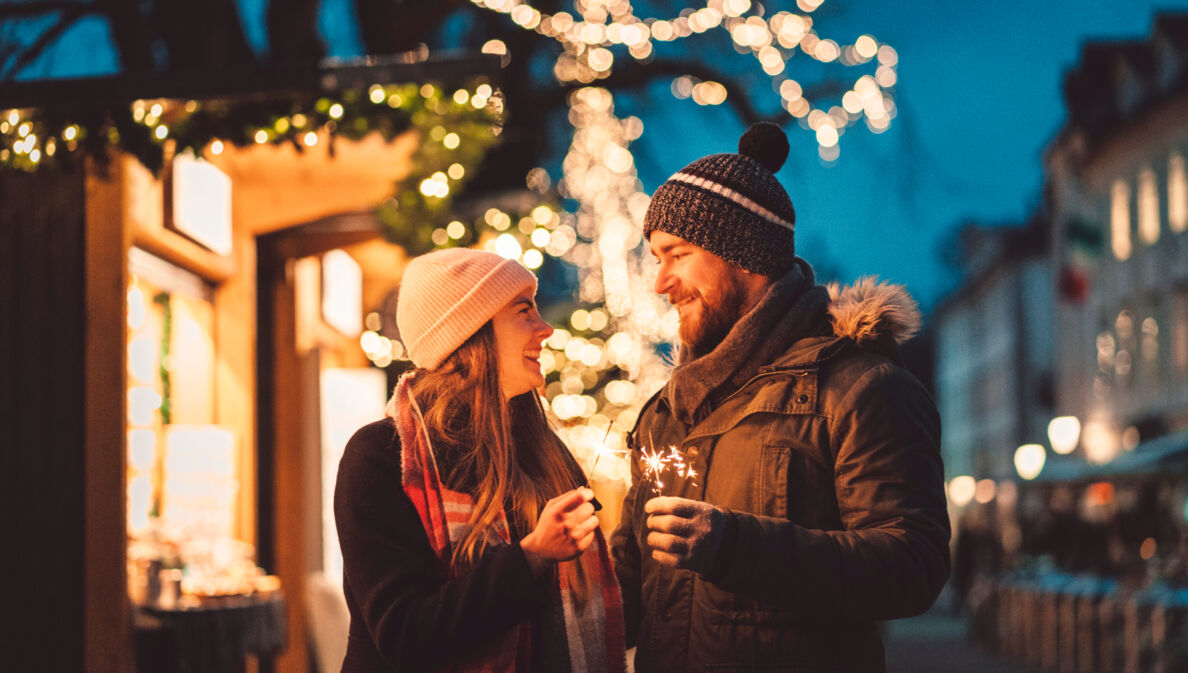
column 772, row 488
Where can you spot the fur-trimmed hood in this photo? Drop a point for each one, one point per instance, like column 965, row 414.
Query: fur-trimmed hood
column 870, row 309
column 796, row 324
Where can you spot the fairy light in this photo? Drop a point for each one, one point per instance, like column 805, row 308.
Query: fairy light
column 588, row 39
column 603, row 237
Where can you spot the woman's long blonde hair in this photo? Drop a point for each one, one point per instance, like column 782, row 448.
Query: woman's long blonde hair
column 516, row 461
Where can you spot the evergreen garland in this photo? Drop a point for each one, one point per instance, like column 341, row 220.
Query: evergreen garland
column 456, row 128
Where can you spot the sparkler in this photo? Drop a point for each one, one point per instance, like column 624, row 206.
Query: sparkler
column 654, row 463
column 598, row 453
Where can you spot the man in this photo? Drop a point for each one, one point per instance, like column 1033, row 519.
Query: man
column 811, row 504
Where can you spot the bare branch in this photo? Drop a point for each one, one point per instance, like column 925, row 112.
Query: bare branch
column 637, row 75
column 29, row 54
column 390, row 27
column 130, row 32
column 24, row 9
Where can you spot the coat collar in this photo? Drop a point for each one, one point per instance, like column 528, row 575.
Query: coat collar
column 796, row 325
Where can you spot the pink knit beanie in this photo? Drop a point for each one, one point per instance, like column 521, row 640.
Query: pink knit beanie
column 447, row 295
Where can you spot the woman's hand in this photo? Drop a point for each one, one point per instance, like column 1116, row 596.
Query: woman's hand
column 565, row 529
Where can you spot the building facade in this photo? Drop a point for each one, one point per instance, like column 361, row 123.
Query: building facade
column 1117, row 192
column 994, row 349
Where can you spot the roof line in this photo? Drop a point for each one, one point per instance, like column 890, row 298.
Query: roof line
column 328, row 75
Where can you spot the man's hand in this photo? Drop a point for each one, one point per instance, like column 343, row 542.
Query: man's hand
column 685, row 533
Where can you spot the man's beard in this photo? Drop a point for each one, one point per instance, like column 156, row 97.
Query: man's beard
column 718, row 315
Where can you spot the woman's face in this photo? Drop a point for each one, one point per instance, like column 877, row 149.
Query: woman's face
column 519, row 331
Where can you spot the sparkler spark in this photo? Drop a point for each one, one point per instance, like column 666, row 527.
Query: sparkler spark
column 654, row 463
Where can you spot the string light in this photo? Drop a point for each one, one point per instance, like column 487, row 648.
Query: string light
column 603, row 238
column 27, row 134
column 587, row 43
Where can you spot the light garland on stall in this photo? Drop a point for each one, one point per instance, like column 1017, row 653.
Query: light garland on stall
column 34, row 138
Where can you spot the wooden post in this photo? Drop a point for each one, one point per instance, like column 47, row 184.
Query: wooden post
column 107, row 615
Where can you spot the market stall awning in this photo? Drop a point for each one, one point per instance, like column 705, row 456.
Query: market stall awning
column 1163, row 455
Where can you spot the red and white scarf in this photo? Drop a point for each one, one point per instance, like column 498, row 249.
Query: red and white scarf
column 593, row 628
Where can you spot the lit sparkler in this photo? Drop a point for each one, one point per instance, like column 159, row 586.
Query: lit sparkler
column 598, row 453
column 654, row 464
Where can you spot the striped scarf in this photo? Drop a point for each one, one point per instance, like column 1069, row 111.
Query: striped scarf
column 592, row 630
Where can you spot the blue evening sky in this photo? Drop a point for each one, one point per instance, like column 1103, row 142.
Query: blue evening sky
column 979, row 97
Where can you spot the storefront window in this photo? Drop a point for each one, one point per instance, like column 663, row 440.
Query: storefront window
column 170, row 394
column 182, row 476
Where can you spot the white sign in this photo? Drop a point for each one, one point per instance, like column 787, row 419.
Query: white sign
column 202, row 203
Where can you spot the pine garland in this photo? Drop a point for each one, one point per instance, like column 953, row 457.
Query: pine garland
column 456, row 128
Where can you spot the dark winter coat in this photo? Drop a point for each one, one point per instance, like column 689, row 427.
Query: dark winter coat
column 406, row 615
column 824, row 451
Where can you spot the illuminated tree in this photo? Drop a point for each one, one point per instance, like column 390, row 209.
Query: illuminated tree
column 563, row 64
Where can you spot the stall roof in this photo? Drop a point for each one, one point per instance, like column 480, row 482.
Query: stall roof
column 1163, row 455
column 329, row 75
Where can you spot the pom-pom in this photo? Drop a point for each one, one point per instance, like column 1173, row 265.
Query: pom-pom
column 766, row 143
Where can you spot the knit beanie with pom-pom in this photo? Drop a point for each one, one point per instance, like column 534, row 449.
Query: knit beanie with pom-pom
column 732, row 204
column 447, row 295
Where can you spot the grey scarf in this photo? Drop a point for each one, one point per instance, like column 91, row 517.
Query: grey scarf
column 793, row 308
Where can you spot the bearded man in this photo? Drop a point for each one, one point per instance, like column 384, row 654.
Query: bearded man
column 814, row 506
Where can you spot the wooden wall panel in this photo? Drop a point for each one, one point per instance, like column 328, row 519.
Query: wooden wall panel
column 43, row 318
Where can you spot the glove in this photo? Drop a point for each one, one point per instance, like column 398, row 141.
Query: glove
column 685, row 533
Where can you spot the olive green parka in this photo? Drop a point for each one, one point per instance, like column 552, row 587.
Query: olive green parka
column 825, row 456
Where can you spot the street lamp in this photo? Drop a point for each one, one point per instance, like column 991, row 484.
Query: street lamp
column 1029, row 460
column 1101, row 442
column 961, row 490
column 1064, row 432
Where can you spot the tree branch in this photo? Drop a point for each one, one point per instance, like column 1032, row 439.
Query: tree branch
column 637, row 75
column 28, row 55
column 393, row 26
column 24, row 9
column 130, row 32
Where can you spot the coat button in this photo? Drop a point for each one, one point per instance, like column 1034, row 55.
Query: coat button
column 801, row 398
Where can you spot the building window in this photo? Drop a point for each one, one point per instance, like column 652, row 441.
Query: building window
column 1120, row 219
column 1148, row 207
column 1179, row 335
column 1148, row 343
column 1127, row 344
column 1177, row 193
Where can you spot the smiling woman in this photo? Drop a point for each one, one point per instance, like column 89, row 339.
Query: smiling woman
column 519, row 331
column 464, row 527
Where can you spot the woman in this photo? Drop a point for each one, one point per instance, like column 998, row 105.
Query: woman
column 468, row 543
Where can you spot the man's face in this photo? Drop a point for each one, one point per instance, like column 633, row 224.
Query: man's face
column 709, row 293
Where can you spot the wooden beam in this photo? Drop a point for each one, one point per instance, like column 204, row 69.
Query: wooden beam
column 108, row 638
column 250, row 84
